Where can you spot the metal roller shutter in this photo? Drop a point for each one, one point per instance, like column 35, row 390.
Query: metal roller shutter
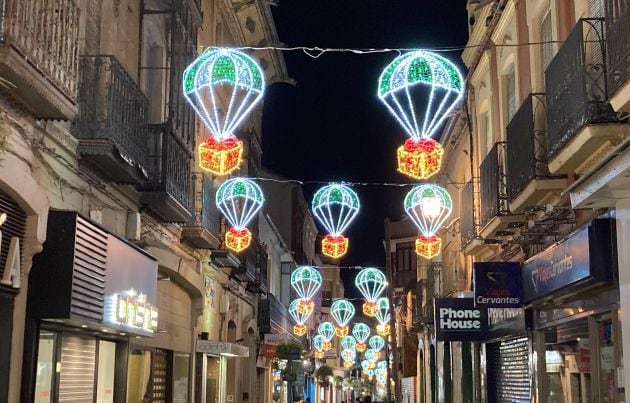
column 78, row 358
column 408, row 386
column 508, row 377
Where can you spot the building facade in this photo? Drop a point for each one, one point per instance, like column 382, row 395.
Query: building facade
column 97, row 163
column 535, row 162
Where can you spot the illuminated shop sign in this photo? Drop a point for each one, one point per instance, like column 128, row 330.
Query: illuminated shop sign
column 131, row 311
column 584, row 256
column 498, row 284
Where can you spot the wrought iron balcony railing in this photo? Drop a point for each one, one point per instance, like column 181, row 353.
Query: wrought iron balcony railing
column 39, row 53
column 617, row 43
column 526, row 145
column 575, row 85
column 492, row 184
column 467, row 222
column 112, row 120
column 169, row 189
column 204, row 230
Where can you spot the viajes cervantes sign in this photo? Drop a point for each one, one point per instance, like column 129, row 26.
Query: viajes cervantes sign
column 458, row 319
column 498, row 284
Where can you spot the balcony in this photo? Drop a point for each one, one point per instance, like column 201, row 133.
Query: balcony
column 39, row 55
column 168, row 192
column 581, row 124
column 618, row 52
column 273, row 316
column 494, row 213
column 112, row 122
column 253, row 267
column 204, row 229
column 528, row 180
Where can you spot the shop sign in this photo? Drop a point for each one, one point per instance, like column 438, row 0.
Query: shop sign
column 130, row 289
column 276, row 338
column 570, row 261
column 269, row 350
column 131, row 310
column 498, row 284
column 11, row 275
column 458, row 319
column 504, row 322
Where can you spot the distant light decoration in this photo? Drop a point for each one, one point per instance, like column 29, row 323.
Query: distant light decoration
column 342, row 311
column 348, row 364
column 361, row 332
column 372, row 356
column 306, row 281
column 318, row 342
column 428, row 206
column 239, row 199
column 382, row 365
column 348, row 343
column 327, row 331
column 365, row 365
column 371, row 282
column 377, row 343
column 420, row 89
column 335, row 206
column 300, row 315
column 383, row 317
column 240, row 80
column 319, row 354
column 348, row 355
column 370, row 372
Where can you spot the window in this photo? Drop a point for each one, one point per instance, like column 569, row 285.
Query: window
column 405, row 257
column 510, row 92
column 546, row 49
column 485, row 133
column 285, row 283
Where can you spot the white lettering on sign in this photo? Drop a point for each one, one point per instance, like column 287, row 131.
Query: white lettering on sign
column 11, row 275
column 459, row 319
column 131, row 309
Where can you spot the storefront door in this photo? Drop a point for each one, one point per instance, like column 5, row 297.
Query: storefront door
column 610, row 358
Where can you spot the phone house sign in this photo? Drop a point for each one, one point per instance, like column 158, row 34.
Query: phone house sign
column 457, row 319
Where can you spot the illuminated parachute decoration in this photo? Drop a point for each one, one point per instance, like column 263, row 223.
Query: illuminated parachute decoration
column 239, row 199
column 348, row 355
column 372, row 356
column 342, row 311
column 377, row 343
column 327, row 331
column 348, row 343
column 365, row 365
column 428, row 206
column 241, row 82
column 371, row 282
column 318, row 345
column 420, row 89
column 300, row 316
column 382, row 365
column 306, row 281
column 383, row 317
column 361, row 332
column 335, row 206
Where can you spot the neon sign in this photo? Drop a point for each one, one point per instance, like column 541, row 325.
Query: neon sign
column 130, row 309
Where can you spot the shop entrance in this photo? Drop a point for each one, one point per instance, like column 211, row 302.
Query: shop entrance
column 583, row 360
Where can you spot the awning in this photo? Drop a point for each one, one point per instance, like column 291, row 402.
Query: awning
column 222, row 348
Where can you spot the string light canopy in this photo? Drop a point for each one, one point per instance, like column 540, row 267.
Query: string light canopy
column 348, row 343
column 383, row 317
column 306, row 281
column 420, row 89
column 371, row 283
column 428, row 206
column 342, row 311
column 335, row 206
column 239, row 199
column 377, row 343
column 327, row 331
column 240, row 80
column 361, row 332
column 300, row 316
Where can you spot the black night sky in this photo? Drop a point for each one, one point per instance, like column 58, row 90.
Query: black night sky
column 331, row 126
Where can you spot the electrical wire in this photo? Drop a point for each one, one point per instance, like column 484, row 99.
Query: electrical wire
column 320, row 182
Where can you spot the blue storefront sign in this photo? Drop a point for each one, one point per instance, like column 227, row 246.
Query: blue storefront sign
column 498, row 284
column 585, row 256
